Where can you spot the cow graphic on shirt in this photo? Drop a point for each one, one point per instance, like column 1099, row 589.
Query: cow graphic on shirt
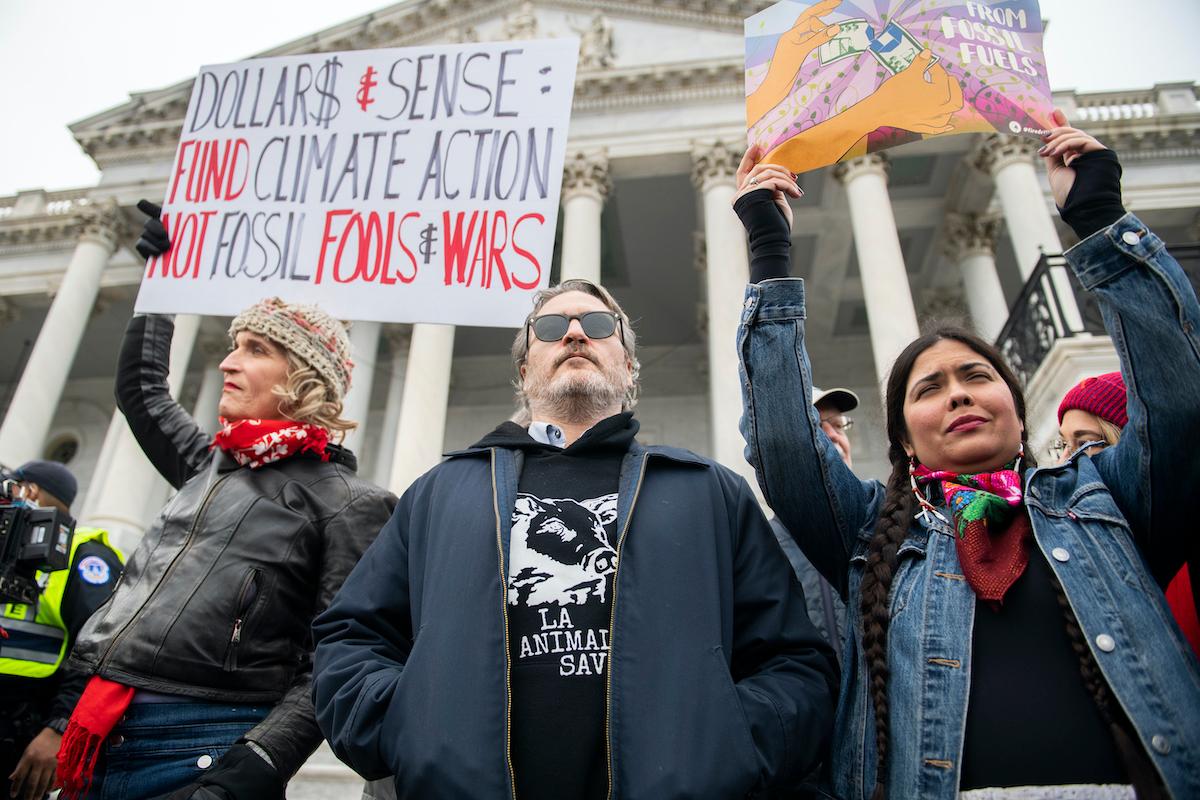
column 561, row 552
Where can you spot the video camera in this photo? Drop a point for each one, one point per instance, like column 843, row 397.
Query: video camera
column 32, row 538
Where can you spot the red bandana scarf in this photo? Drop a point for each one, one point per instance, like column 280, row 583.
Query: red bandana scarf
column 98, row 711
column 992, row 528
column 255, row 442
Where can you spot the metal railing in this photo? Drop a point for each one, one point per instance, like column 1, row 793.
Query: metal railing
column 1038, row 318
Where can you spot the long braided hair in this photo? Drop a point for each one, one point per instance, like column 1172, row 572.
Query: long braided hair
column 895, row 518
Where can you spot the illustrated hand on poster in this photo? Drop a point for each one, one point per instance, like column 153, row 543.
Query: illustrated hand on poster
column 832, row 80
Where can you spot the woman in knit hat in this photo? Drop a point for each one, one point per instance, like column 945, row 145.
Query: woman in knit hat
column 201, row 659
column 1091, row 413
column 1006, row 636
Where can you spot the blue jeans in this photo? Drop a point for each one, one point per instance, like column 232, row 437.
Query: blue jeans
column 160, row 747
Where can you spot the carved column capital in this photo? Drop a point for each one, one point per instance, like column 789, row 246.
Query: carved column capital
column 999, row 150
column 714, row 162
column 586, row 174
column 101, row 222
column 870, row 164
column 522, row 23
column 970, row 234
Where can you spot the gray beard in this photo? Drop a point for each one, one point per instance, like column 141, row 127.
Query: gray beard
column 574, row 401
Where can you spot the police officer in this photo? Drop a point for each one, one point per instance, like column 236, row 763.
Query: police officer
column 36, row 693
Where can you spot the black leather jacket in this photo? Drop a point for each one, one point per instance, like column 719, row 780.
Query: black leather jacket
column 217, row 600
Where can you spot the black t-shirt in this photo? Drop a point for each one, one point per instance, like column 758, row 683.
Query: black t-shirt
column 561, row 562
column 1031, row 720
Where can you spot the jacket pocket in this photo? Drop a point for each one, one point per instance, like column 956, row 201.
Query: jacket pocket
column 747, row 751
column 248, row 594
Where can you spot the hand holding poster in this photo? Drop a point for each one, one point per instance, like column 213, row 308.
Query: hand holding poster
column 403, row 185
column 829, row 81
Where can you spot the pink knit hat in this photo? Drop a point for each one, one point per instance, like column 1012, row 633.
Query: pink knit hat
column 1102, row 395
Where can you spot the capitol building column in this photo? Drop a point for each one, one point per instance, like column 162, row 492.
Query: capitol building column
column 586, row 185
column 890, row 312
column 36, row 398
column 971, row 242
column 398, row 338
column 126, row 491
column 714, row 166
column 364, row 349
column 1009, row 161
column 421, row 432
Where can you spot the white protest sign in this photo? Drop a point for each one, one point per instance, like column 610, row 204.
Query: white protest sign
column 402, row 185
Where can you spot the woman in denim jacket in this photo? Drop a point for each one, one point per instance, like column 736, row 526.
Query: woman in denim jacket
column 1007, row 625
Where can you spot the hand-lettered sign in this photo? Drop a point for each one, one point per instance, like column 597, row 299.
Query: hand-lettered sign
column 829, row 81
column 402, row 185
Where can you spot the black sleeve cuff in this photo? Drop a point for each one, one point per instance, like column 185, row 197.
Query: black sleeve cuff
column 1094, row 201
column 769, row 234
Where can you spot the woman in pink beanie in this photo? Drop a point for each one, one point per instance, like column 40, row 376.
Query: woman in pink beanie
column 1092, row 412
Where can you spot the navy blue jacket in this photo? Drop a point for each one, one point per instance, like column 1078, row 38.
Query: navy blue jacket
column 718, row 684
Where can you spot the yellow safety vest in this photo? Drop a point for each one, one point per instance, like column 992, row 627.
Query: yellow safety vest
column 37, row 636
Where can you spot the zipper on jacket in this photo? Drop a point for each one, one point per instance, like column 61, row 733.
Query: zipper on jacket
column 246, row 598
column 170, row 568
column 612, row 620
column 512, row 776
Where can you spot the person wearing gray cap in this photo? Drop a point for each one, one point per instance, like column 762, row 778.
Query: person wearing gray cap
column 833, row 405
column 37, row 692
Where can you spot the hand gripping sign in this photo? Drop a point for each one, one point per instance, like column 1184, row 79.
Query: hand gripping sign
column 401, row 185
column 829, row 81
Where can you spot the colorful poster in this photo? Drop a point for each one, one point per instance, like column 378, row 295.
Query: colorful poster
column 401, row 185
column 829, row 81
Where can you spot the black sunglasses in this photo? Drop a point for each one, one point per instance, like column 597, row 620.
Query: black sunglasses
column 595, row 324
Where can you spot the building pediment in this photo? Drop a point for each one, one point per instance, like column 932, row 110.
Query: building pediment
column 632, row 53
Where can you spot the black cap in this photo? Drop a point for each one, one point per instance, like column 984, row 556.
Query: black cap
column 51, row 476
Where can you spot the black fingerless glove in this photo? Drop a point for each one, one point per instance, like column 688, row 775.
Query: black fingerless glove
column 1094, row 201
column 154, row 240
column 769, row 234
column 240, row 774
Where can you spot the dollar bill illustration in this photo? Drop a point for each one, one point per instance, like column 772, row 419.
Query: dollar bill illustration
column 895, row 48
column 854, row 36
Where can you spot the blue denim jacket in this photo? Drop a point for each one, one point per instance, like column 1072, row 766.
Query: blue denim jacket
column 1111, row 527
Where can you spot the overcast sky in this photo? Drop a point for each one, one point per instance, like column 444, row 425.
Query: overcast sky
column 63, row 60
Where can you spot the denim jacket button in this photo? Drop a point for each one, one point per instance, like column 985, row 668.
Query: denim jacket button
column 1160, row 744
column 205, row 761
column 1130, row 238
column 117, row 740
column 1106, row 643
column 1060, row 554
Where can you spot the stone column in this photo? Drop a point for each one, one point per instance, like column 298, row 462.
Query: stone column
column 127, row 491
column 31, row 412
column 212, row 380
column 585, row 187
column 364, row 346
column 398, row 339
column 890, row 311
column 1009, row 160
column 421, row 431
column 714, row 165
column 970, row 241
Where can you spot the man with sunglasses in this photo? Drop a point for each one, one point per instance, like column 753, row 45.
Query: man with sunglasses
column 559, row 611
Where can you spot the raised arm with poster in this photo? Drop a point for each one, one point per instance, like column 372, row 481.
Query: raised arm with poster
column 401, row 185
column 829, row 81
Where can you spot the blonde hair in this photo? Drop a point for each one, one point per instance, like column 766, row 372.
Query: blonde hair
column 306, row 397
column 1111, row 433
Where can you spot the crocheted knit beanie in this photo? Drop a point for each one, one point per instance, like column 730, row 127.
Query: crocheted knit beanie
column 316, row 338
column 1102, row 395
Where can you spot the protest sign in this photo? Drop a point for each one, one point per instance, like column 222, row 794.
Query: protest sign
column 401, row 185
column 829, row 81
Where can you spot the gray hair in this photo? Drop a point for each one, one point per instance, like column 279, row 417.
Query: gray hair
column 520, row 347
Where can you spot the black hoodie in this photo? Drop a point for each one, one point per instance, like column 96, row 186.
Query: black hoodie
column 562, row 555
